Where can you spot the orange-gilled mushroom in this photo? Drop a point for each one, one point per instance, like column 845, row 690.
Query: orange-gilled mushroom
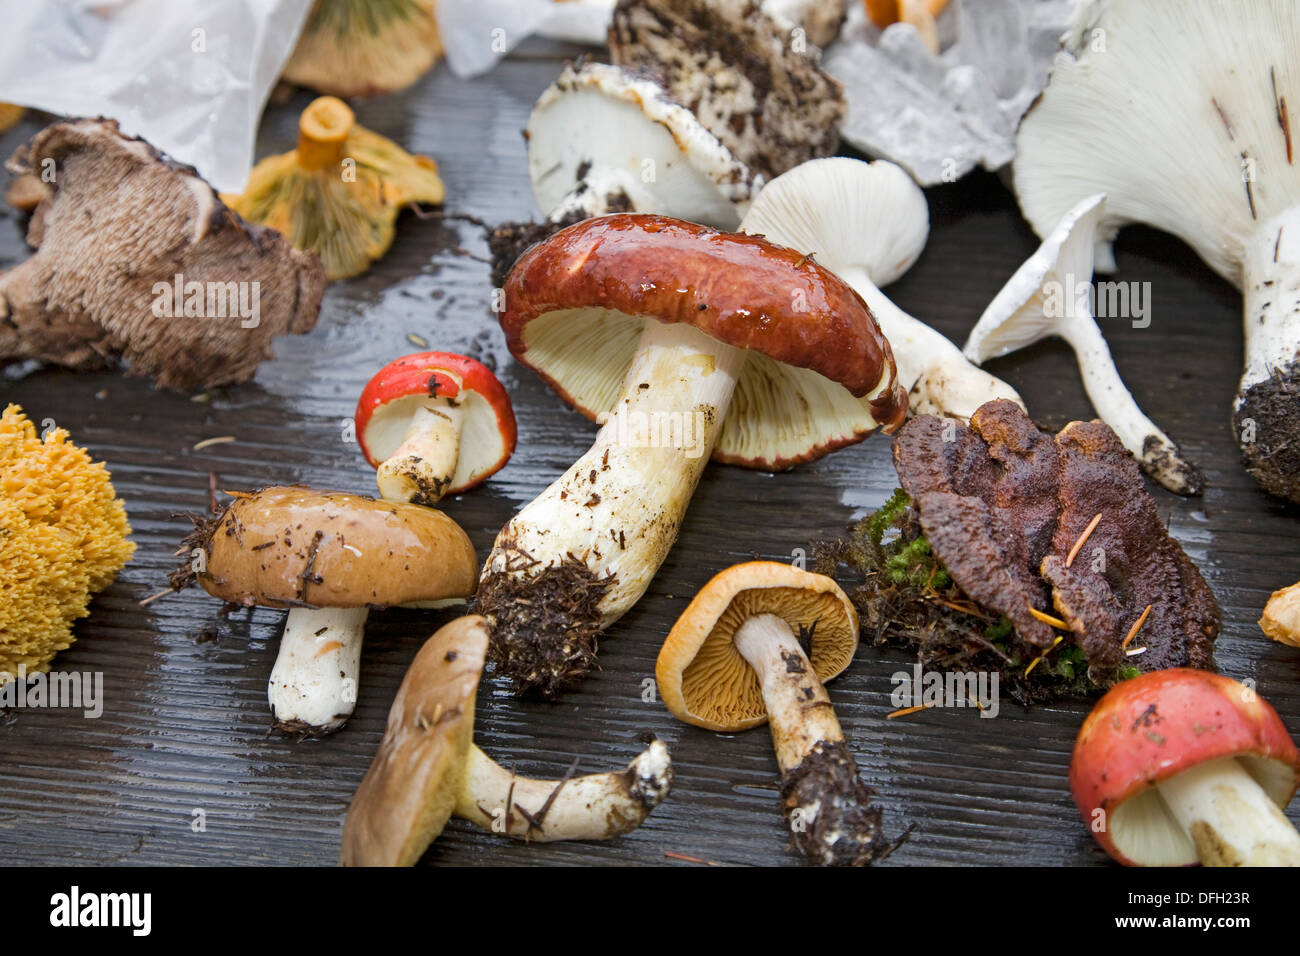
column 755, row 646
column 434, row 424
column 428, row 770
column 683, row 343
column 1182, row 765
column 329, row 558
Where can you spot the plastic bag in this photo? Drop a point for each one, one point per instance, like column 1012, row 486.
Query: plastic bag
column 189, row 76
column 478, row 33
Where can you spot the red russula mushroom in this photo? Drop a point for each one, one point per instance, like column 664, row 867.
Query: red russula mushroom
column 1180, row 766
column 434, row 424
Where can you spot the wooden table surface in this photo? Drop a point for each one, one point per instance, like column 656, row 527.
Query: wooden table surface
column 185, row 719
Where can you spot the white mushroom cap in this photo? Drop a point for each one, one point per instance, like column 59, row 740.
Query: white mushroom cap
column 1173, row 110
column 616, row 133
column 868, row 222
column 1042, row 299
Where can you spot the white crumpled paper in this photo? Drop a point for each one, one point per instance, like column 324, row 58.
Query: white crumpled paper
column 940, row 117
column 189, row 76
column 477, row 33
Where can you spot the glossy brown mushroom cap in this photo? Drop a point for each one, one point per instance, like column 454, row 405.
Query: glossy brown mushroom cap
column 705, row 681
column 575, row 305
column 409, row 792
column 295, row 547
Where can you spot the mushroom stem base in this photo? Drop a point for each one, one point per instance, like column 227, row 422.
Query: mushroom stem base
column 422, row 467
column 1229, row 817
column 829, row 811
column 313, row 686
column 593, row 807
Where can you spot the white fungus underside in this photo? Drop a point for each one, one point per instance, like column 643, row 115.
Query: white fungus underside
column 481, row 444
column 778, row 413
column 1144, row 830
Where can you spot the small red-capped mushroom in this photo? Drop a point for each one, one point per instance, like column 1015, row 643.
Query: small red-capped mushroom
column 434, row 424
column 1180, row 766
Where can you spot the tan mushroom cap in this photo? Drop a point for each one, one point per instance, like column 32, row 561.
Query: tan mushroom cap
column 295, row 547
column 410, row 790
column 704, row 680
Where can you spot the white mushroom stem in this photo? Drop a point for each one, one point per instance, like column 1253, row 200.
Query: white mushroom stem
column 619, row 507
column 594, row 807
column 938, row 377
column 1271, row 280
column 1229, row 817
column 313, row 686
column 798, row 708
column 423, row 465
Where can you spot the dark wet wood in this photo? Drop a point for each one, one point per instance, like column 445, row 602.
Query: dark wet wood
column 184, row 725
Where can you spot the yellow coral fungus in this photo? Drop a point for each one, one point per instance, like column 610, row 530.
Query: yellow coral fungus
column 9, row 116
column 339, row 192
column 62, row 538
column 359, row 47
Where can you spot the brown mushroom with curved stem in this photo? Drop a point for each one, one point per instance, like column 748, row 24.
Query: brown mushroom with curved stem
column 684, row 343
column 329, row 558
column 428, row 770
column 755, row 645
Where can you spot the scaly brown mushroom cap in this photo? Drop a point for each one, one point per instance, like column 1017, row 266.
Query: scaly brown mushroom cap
column 139, row 261
column 705, row 681
column 295, row 547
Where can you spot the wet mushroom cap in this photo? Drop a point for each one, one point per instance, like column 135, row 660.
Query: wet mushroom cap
column 391, row 397
column 1153, row 727
column 295, row 547
column 575, row 306
column 705, row 681
column 410, row 790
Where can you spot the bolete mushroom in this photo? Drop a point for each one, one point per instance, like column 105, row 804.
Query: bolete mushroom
column 434, row 424
column 329, row 558
column 867, row 223
column 338, row 194
column 1182, row 765
column 682, row 342
column 428, row 770
column 138, row 261
column 1179, row 113
column 755, row 646
column 361, row 48
column 1047, row 296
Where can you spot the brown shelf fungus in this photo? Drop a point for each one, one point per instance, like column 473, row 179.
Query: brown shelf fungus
column 365, row 47
column 1180, row 766
column 1196, row 140
column 329, row 558
column 683, row 343
column 338, row 194
column 434, row 424
column 428, row 770
column 138, row 262
column 755, row 646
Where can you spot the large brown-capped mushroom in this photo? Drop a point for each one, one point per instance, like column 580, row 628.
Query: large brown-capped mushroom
column 1182, row 765
column 329, row 558
column 428, row 770
column 434, row 424
column 736, row 658
column 1178, row 112
column 683, row 343
column 139, row 261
